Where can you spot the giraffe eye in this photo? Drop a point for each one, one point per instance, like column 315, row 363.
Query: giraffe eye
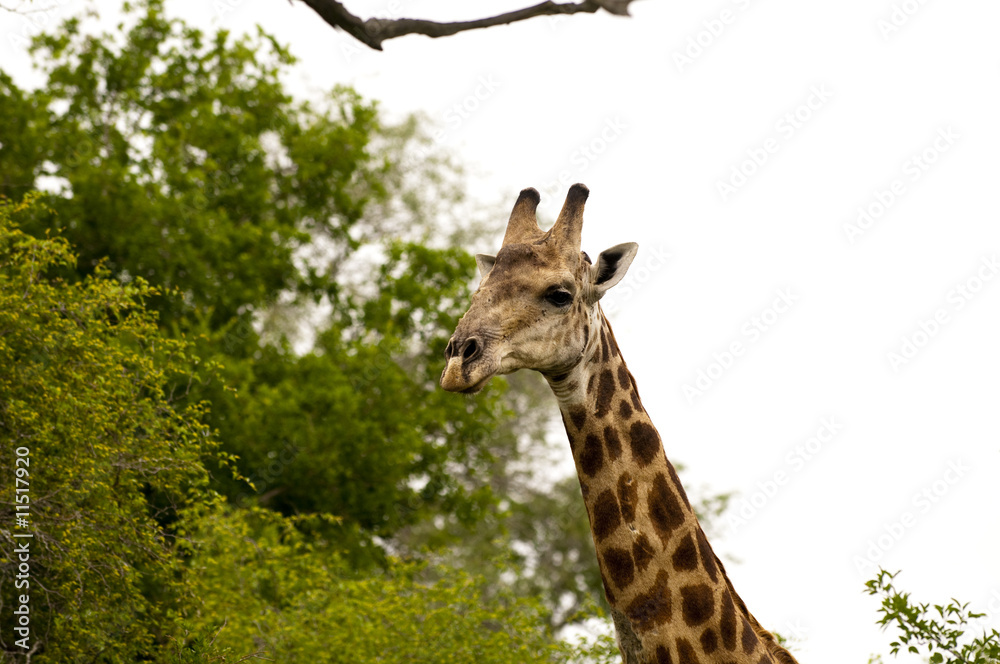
column 559, row 297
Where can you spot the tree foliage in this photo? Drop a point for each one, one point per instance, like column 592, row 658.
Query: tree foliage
column 940, row 631
column 179, row 158
column 272, row 585
column 134, row 557
column 221, row 327
column 253, row 313
column 112, row 456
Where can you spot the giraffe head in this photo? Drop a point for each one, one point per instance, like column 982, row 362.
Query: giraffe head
column 537, row 300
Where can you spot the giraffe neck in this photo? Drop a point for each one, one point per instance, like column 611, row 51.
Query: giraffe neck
column 670, row 598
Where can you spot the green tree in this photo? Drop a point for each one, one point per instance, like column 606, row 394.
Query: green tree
column 545, row 533
column 179, row 158
column 135, row 558
column 110, row 456
column 941, row 631
column 261, row 580
column 304, row 250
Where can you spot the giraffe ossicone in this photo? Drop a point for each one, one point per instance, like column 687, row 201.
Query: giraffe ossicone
column 538, row 307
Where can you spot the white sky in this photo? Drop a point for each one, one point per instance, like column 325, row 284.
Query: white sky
column 661, row 137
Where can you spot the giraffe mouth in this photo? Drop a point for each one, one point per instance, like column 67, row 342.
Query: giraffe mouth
column 459, row 377
column 478, row 387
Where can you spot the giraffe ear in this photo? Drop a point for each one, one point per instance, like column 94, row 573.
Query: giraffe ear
column 485, row 262
column 611, row 267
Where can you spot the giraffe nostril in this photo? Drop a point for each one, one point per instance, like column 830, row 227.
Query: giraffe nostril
column 471, row 349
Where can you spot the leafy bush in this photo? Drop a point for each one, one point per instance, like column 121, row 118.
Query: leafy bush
column 179, row 157
column 135, row 557
column 112, row 457
column 940, row 630
column 264, row 581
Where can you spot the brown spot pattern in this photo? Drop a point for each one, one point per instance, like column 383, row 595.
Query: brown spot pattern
column 607, row 516
column 697, row 603
column 651, row 608
column 645, row 443
column 664, row 510
column 663, row 656
column 624, row 409
column 618, row 562
column 604, row 345
column 741, row 606
column 685, row 652
column 607, row 589
column 677, row 483
column 628, row 496
column 578, row 416
column 749, row 640
column 623, row 377
column 613, row 443
column 592, row 455
column 642, row 552
column 635, row 393
column 727, row 624
column 707, row 557
column 568, row 432
column 605, row 393
column 685, row 556
column 590, row 383
column 709, row 641
column 612, row 344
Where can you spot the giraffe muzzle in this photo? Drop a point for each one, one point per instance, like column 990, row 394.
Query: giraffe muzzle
column 464, row 372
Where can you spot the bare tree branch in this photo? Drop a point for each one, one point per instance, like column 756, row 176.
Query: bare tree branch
column 372, row 32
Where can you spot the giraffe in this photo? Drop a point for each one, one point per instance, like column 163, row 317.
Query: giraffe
column 538, row 307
